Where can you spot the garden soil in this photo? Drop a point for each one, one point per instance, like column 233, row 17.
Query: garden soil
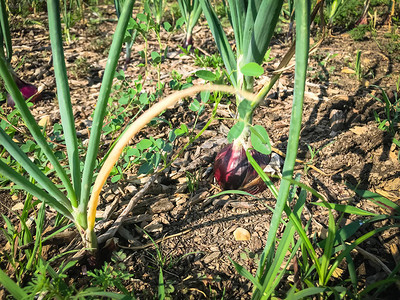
column 193, row 232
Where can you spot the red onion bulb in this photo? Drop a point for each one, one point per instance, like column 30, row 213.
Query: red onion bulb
column 27, row 90
column 233, row 171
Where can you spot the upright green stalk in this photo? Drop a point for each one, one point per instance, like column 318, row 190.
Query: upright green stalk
column 5, row 30
column 64, row 99
column 302, row 9
column 101, row 105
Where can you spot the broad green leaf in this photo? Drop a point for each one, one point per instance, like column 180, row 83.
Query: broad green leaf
column 260, row 140
column 155, row 56
column 142, row 17
column 182, row 130
column 205, row 96
column 206, row 75
column 124, row 99
column 29, row 146
column 144, row 144
column 235, row 131
column 252, row 69
column 143, row 99
column 195, row 105
column 145, row 168
column 167, row 26
column 179, row 22
column 116, row 178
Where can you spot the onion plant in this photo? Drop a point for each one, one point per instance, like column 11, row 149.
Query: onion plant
column 191, row 11
column 253, row 24
column 73, row 198
column 157, row 8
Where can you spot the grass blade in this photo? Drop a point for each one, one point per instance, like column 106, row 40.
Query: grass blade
column 344, row 233
column 273, row 276
column 329, row 246
column 38, row 239
column 345, row 208
column 376, row 198
column 303, row 294
column 352, row 271
column 101, row 105
column 246, row 274
column 16, row 291
column 64, row 99
column 161, row 287
column 357, row 242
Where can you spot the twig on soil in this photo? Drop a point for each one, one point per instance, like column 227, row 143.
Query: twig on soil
column 114, row 228
column 373, row 258
column 155, row 242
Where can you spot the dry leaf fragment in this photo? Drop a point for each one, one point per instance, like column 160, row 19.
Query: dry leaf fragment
column 241, row 234
column 359, row 130
column 44, row 121
column 18, row 206
column 395, row 252
column 387, row 194
column 347, row 70
column 338, row 272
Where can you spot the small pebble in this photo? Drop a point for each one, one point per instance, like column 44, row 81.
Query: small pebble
column 241, row 234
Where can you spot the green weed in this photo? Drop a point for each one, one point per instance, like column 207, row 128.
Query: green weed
column 389, row 120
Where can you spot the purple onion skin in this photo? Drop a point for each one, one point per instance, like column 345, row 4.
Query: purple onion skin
column 253, row 183
column 233, row 170
column 27, row 90
column 188, row 42
column 230, row 167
